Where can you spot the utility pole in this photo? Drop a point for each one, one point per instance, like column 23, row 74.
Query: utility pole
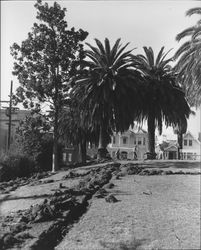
column 10, row 115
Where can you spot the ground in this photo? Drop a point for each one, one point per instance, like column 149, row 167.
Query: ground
column 158, row 212
column 153, row 212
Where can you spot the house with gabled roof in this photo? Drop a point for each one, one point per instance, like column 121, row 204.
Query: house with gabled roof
column 191, row 149
column 171, row 151
column 133, row 139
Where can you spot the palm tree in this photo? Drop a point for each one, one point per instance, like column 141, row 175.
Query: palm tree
column 189, row 60
column 165, row 101
column 110, row 90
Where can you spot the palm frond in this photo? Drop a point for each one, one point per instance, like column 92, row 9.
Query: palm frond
column 192, row 11
column 165, row 64
column 184, row 33
column 107, row 47
column 149, row 55
column 197, row 33
column 119, row 52
column 94, row 49
column 158, row 59
column 164, row 56
column 115, row 48
column 100, row 46
column 183, row 48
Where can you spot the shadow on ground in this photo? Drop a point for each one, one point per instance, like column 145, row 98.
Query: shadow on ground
column 6, row 198
column 133, row 244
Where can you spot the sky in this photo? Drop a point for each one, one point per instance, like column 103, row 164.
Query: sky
column 142, row 23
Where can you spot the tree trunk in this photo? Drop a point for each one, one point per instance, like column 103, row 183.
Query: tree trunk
column 180, row 142
column 151, row 137
column 102, row 145
column 55, row 145
column 55, row 133
column 83, row 151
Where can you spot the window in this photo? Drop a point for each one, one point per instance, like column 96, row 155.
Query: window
column 134, row 141
column 139, row 141
column 185, row 142
column 190, row 142
column 64, row 157
column 69, row 157
column 143, row 141
column 114, row 140
column 124, row 140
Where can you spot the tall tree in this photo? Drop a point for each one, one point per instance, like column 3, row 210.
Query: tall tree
column 109, row 91
column 165, row 100
column 189, row 60
column 45, row 63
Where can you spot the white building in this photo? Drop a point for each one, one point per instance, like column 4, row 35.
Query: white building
column 126, row 143
column 191, row 147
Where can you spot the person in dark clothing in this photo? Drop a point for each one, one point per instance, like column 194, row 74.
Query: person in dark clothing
column 118, row 154
column 135, row 153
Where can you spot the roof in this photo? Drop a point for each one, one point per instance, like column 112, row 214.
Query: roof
column 189, row 133
column 137, row 130
column 170, row 146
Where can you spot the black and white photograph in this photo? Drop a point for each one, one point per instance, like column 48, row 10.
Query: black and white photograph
column 100, row 125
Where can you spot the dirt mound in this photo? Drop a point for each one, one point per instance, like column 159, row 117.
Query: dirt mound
column 62, row 208
column 8, row 186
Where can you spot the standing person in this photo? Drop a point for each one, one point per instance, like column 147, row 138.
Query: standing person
column 160, row 155
column 118, row 154
column 135, row 153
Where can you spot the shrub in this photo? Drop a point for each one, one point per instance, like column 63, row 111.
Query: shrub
column 44, row 158
column 13, row 166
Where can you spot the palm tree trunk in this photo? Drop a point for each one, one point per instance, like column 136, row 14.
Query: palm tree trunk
column 151, row 137
column 102, row 145
column 180, row 142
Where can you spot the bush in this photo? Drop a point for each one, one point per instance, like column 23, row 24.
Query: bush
column 13, row 166
column 40, row 154
column 44, row 158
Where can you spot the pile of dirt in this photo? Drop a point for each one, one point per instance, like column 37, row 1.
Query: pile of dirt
column 73, row 174
column 62, row 208
column 137, row 169
column 8, row 186
column 44, row 224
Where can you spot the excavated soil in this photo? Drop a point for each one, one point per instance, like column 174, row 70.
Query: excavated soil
column 122, row 205
column 152, row 212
